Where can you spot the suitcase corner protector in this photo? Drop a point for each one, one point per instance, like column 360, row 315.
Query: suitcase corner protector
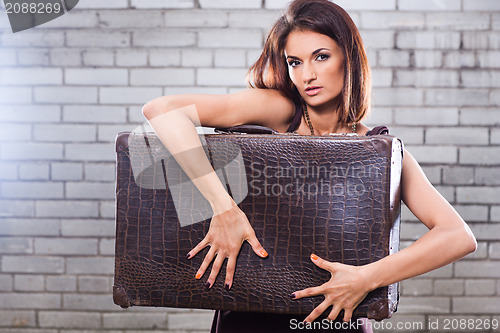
column 121, row 141
column 381, row 309
column 120, row 297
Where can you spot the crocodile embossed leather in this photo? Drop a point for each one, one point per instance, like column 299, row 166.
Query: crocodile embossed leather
column 336, row 196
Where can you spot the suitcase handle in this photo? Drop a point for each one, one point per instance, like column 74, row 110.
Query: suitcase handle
column 249, row 129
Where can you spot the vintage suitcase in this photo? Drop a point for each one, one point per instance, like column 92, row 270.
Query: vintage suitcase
column 336, row 196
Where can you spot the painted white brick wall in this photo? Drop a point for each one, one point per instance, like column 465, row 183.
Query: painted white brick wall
column 92, row 57
column 96, row 76
column 162, row 4
column 128, row 95
column 163, row 38
column 33, row 57
column 429, row 5
column 65, row 95
column 196, row 18
column 162, row 77
column 233, row 38
column 67, row 87
column 230, row 4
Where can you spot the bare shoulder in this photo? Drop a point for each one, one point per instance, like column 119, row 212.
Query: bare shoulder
column 362, row 129
column 266, row 107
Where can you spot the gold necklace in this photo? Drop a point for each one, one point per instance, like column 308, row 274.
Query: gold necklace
column 309, row 123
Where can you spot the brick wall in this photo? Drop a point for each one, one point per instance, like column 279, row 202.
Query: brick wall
column 67, row 87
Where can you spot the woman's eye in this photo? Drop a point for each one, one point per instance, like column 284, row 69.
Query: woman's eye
column 322, row 57
column 293, row 63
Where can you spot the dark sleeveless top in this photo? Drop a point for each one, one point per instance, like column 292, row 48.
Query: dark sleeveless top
column 253, row 322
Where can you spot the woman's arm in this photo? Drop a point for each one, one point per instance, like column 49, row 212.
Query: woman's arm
column 174, row 119
column 448, row 240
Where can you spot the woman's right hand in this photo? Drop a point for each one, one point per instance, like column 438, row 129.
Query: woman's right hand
column 228, row 230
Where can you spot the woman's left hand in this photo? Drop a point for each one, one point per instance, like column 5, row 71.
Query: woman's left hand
column 347, row 287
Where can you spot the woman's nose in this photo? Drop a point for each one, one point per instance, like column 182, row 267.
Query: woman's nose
column 308, row 73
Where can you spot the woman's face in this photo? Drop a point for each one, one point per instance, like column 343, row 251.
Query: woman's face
column 316, row 67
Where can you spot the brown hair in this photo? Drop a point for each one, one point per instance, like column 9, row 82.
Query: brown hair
column 270, row 71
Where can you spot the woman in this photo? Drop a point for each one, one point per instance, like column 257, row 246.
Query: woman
column 314, row 72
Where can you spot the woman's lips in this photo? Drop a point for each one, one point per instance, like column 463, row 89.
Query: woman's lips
column 313, row 91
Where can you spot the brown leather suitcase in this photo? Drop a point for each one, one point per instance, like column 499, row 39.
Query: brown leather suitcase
column 336, row 196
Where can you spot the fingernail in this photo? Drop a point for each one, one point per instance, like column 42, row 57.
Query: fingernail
column 314, row 257
column 292, row 296
column 188, row 255
column 263, row 252
column 207, row 285
column 226, row 286
column 198, row 276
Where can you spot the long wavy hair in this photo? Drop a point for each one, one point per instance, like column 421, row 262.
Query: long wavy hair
column 270, row 71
